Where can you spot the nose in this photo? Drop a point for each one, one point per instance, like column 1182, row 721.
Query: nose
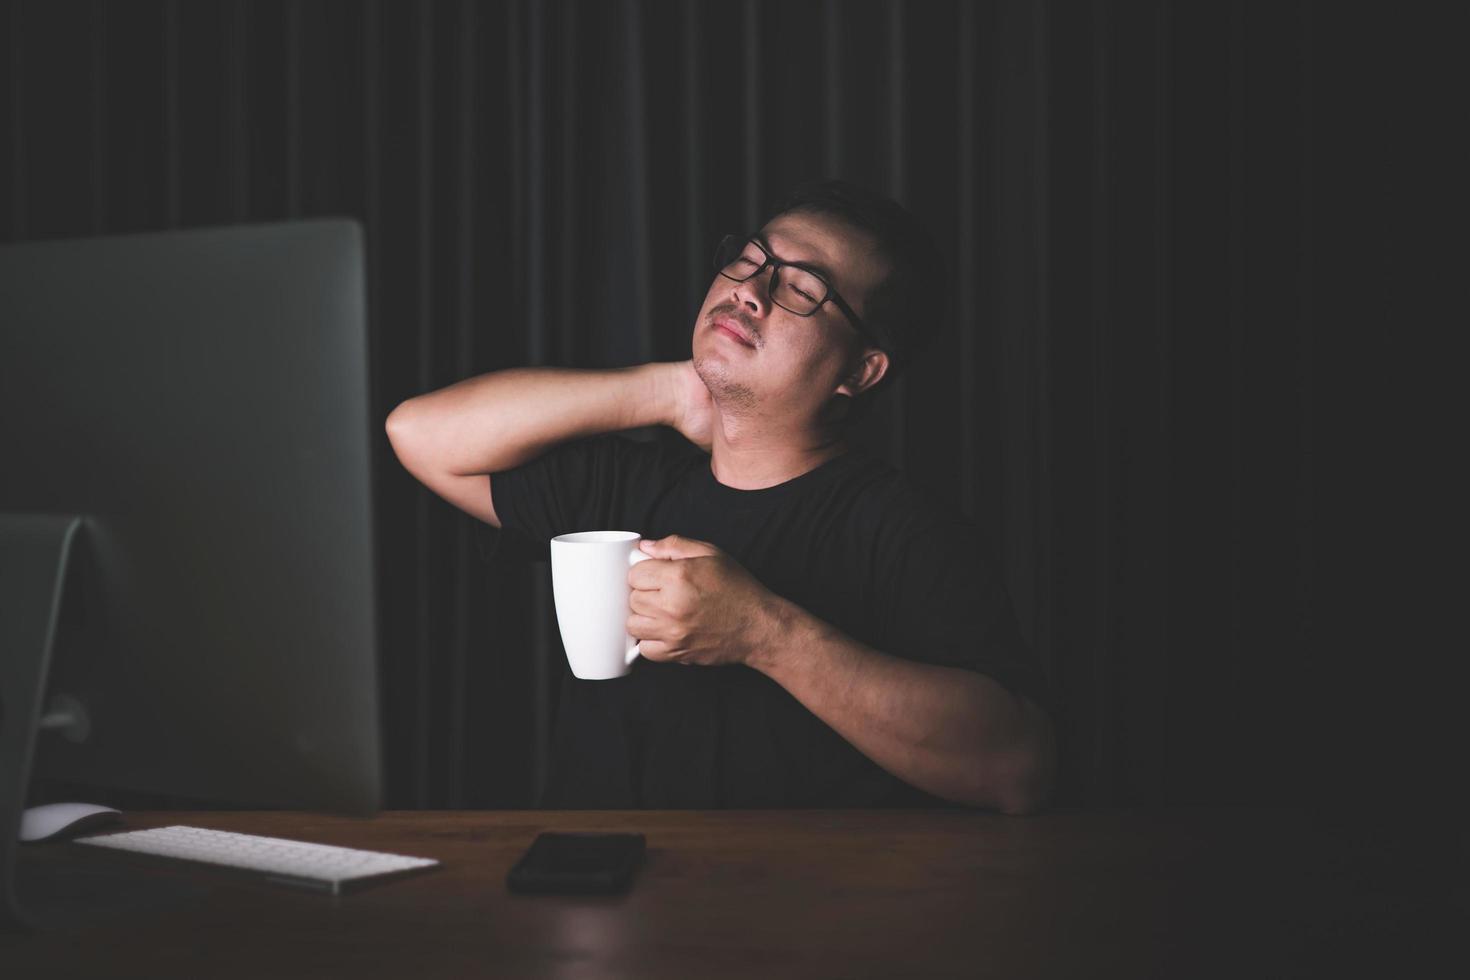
column 754, row 294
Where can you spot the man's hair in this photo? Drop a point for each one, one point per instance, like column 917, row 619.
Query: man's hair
column 910, row 303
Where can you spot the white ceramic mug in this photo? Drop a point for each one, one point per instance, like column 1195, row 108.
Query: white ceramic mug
column 589, row 579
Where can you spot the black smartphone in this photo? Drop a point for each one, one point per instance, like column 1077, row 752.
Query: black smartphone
column 577, row 863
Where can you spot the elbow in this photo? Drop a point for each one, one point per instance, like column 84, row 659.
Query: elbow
column 407, row 436
column 400, row 426
column 1023, row 779
column 1025, row 789
column 397, row 421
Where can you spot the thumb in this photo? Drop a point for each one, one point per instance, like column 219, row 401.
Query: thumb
column 675, row 546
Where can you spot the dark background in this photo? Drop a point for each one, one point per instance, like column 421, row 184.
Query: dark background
column 1133, row 197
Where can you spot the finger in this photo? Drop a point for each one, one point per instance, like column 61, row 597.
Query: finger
column 653, row 649
column 677, row 546
column 646, row 576
column 642, row 627
column 644, row 602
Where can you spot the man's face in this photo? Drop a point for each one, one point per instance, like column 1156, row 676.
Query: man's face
column 788, row 366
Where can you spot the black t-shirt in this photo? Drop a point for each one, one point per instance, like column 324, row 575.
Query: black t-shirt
column 850, row 542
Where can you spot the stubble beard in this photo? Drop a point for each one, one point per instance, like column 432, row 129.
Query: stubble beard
column 733, row 398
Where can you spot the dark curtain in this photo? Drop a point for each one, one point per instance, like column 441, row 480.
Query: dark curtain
column 1125, row 401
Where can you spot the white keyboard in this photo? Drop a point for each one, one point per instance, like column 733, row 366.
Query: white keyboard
column 318, row 866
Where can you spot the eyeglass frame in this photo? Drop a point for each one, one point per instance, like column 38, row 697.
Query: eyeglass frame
column 776, row 265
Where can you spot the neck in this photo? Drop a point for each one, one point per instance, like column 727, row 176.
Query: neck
column 753, row 454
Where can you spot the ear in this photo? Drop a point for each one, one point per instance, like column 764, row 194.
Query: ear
column 868, row 372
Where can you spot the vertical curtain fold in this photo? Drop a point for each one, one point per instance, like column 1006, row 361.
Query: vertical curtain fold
column 98, row 25
column 965, row 294
column 751, row 77
column 635, row 80
column 16, row 129
column 696, row 188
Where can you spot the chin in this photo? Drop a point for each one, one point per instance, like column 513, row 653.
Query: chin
column 714, row 371
column 710, row 368
column 708, row 356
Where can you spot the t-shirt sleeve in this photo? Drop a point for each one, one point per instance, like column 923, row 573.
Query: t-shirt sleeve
column 600, row 483
column 946, row 603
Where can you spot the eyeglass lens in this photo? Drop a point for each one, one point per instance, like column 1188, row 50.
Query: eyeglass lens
column 796, row 289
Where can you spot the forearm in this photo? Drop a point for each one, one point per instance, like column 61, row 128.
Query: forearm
column 498, row 421
column 953, row 733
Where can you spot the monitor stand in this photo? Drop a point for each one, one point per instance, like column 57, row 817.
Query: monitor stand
column 48, row 885
column 55, row 884
column 34, row 552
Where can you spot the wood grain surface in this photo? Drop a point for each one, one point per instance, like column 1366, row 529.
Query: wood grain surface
column 831, row 893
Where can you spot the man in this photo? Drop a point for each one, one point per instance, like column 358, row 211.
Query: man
column 814, row 633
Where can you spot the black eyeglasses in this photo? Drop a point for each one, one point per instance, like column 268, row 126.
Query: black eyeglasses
column 794, row 288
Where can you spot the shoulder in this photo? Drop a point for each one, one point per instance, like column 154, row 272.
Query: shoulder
column 622, row 453
column 886, row 499
column 591, row 482
column 658, row 457
column 886, row 523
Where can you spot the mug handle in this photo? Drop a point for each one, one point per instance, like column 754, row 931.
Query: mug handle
column 634, row 557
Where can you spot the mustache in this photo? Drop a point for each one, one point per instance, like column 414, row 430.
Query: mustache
column 731, row 313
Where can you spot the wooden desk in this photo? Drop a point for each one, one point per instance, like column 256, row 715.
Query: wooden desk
column 831, row 893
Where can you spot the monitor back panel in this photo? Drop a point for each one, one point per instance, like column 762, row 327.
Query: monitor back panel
column 202, row 397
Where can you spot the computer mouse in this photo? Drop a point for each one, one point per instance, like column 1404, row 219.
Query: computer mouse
column 56, row 819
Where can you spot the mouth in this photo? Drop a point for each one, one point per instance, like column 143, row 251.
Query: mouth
column 732, row 329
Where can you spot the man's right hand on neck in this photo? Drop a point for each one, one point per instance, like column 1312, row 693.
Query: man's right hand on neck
column 691, row 410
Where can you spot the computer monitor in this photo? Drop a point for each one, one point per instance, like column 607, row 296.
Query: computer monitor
column 194, row 405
